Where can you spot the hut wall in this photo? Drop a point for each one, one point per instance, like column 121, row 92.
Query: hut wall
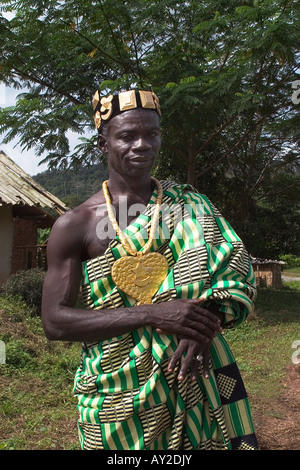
column 6, row 236
column 24, row 254
column 268, row 275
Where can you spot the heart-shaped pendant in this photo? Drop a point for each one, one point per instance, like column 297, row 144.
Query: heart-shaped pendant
column 140, row 277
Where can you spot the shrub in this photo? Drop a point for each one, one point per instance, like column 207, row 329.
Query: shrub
column 28, row 286
column 292, row 261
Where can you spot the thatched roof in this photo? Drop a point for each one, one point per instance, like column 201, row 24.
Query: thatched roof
column 17, row 188
column 266, row 261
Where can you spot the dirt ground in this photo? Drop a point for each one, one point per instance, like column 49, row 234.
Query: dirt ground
column 278, row 425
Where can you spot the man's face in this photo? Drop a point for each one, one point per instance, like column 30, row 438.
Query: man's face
column 133, row 142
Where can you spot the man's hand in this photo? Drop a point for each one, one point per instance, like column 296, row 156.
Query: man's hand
column 197, row 352
column 186, row 318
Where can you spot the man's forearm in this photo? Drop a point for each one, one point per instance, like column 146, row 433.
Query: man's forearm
column 178, row 316
column 72, row 324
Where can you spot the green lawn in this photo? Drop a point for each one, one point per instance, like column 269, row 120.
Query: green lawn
column 263, row 344
column 37, row 407
column 292, row 272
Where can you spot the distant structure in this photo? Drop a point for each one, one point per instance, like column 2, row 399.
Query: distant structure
column 267, row 272
column 22, row 212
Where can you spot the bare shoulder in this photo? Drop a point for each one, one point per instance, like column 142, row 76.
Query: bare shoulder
column 79, row 217
column 67, row 222
column 69, row 231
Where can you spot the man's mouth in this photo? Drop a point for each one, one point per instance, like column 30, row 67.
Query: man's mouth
column 141, row 159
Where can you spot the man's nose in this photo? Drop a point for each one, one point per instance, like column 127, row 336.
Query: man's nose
column 141, row 142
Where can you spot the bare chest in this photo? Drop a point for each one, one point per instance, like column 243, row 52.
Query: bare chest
column 99, row 231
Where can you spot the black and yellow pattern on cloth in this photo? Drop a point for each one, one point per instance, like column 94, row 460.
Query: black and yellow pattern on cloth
column 127, row 399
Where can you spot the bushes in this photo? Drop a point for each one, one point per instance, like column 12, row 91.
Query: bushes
column 28, row 286
column 292, row 261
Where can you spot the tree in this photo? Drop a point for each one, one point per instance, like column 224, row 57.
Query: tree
column 223, row 70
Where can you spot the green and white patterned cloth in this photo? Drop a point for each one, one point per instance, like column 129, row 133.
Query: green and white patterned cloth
column 127, row 399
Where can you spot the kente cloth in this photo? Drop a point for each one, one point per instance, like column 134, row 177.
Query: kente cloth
column 127, row 399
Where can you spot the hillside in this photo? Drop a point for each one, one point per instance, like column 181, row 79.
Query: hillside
column 73, row 186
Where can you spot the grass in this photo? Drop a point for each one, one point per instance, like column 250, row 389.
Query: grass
column 37, row 407
column 292, row 272
column 263, row 344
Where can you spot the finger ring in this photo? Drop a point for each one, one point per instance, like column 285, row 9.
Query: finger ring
column 198, row 358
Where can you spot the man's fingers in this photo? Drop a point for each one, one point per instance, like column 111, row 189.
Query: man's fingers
column 162, row 332
column 198, row 301
column 192, row 333
column 192, row 317
column 206, row 364
column 195, row 367
column 174, row 359
column 211, row 316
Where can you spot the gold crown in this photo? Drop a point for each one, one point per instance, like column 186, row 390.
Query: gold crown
column 107, row 107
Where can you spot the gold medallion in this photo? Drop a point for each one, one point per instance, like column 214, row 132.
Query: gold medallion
column 141, row 274
column 140, row 277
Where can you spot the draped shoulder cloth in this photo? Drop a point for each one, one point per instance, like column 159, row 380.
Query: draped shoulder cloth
column 127, row 399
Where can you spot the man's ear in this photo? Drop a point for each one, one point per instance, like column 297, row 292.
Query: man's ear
column 102, row 144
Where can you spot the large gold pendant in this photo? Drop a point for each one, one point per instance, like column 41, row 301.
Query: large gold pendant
column 140, row 277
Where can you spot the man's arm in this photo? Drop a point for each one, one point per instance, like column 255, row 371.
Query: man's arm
column 63, row 321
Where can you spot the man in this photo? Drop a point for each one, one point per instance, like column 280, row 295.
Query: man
column 156, row 372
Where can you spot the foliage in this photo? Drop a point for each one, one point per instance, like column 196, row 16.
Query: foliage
column 28, row 286
column 43, row 235
column 223, row 70
column 291, row 260
column 73, row 186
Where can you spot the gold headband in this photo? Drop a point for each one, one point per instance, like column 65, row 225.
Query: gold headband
column 107, row 107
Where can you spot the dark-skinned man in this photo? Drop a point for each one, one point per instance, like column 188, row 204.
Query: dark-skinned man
column 162, row 274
